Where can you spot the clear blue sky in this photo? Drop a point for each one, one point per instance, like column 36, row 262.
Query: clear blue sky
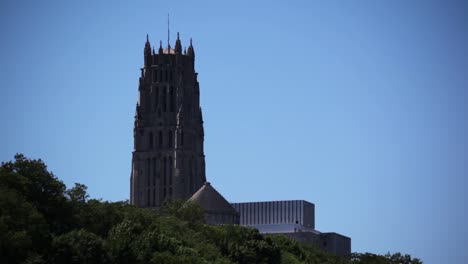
column 357, row 106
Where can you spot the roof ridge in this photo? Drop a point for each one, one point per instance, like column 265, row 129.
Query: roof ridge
column 211, row 200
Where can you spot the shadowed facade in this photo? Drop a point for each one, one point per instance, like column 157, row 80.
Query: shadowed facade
column 168, row 160
column 218, row 211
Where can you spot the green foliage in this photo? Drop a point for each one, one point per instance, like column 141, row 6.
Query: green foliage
column 243, row 245
column 22, row 228
column 43, row 222
column 78, row 193
column 31, row 180
column 79, row 246
column 396, row 258
column 297, row 252
column 185, row 210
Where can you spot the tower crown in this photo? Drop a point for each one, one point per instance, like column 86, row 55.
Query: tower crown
column 153, row 58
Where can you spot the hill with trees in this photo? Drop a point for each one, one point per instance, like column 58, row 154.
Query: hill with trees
column 41, row 221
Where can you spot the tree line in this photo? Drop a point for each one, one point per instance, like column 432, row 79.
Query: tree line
column 41, row 221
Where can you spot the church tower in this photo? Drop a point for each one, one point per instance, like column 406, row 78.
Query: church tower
column 168, row 161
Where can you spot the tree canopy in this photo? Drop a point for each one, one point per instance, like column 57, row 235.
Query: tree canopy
column 43, row 222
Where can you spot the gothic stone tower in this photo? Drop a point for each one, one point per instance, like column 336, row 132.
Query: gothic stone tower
column 168, row 160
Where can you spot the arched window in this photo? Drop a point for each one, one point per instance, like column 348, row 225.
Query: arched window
column 150, row 140
column 164, row 170
column 158, row 169
column 181, row 138
column 164, row 100
column 160, row 139
column 148, row 175
column 148, row 198
column 156, row 97
column 169, row 139
column 170, row 170
column 152, row 99
column 154, row 171
column 172, row 100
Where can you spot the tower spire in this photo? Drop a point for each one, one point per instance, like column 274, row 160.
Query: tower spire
column 168, row 130
column 147, row 52
column 168, row 34
column 178, row 45
column 147, row 44
column 190, row 50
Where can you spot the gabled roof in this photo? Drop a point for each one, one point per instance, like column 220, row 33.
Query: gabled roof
column 211, row 200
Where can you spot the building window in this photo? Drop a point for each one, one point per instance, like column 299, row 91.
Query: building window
column 156, row 97
column 261, row 205
column 296, row 211
column 170, row 173
column 148, row 175
column 280, row 212
column 181, row 138
column 164, row 100
column 271, row 213
column 164, row 171
column 169, row 139
column 158, row 169
column 248, row 215
column 154, row 171
column 148, row 198
column 160, row 139
column 172, row 100
column 258, row 212
column 150, row 140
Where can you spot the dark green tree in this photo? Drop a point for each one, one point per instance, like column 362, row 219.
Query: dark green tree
column 42, row 222
column 78, row 193
column 79, row 246
column 30, row 179
column 24, row 233
column 396, row 258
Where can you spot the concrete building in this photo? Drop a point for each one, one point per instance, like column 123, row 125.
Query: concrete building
column 295, row 218
column 277, row 216
column 168, row 161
